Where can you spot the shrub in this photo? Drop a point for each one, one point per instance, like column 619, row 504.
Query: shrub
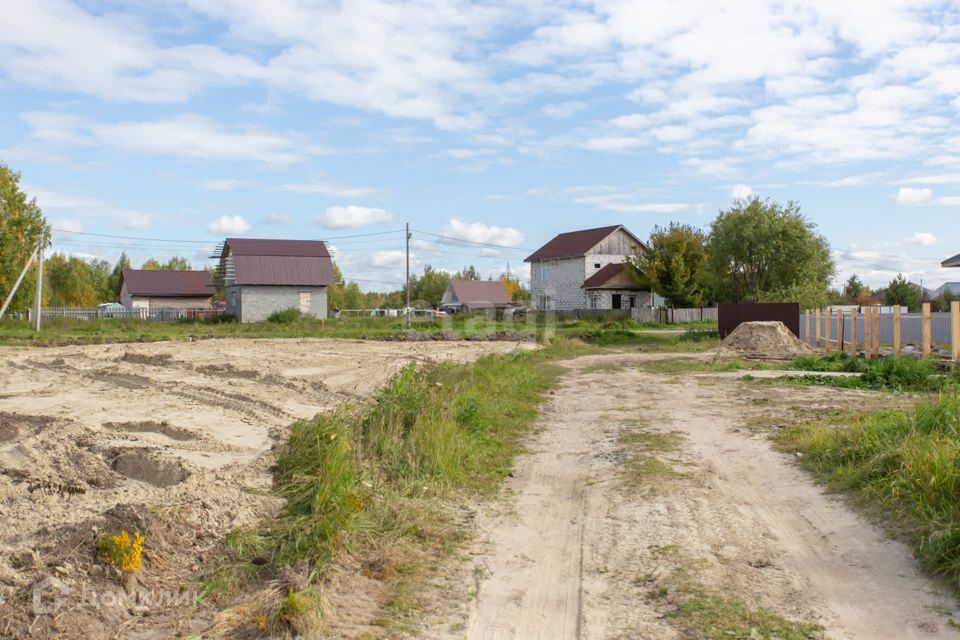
column 285, row 316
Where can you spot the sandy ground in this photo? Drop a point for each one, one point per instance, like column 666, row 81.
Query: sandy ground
column 185, row 426
column 577, row 551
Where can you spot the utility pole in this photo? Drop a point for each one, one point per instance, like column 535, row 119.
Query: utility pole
column 37, row 304
column 16, row 285
column 408, row 275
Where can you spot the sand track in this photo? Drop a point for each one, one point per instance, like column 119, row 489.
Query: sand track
column 188, row 424
column 576, row 551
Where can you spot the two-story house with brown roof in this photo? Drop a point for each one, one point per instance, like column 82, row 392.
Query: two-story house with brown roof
column 585, row 270
column 261, row 277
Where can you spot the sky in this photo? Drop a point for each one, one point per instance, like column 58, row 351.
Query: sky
column 159, row 127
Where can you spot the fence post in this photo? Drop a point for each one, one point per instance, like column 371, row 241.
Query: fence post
column 896, row 330
column 868, row 333
column 926, row 330
column 806, row 324
column 826, row 328
column 955, row 330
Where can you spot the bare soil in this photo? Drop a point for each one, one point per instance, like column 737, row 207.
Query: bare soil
column 592, row 541
column 171, row 439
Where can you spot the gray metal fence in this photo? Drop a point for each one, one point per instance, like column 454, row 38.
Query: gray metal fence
column 161, row 314
column 911, row 328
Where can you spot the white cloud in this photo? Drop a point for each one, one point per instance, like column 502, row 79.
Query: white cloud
column 222, row 184
column 183, row 136
column 134, row 220
column 67, row 224
column 626, row 203
column 278, row 219
column 949, row 201
column 353, row 217
column 563, row 109
column 328, row 189
column 50, row 199
column 229, row 225
column 458, row 229
column 388, row 259
column 741, row 192
column 910, row 196
column 923, row 239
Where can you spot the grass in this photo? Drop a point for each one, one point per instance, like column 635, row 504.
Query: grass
column 889, row 374
column 643, row 467
column 290, row 324
column 716, row 618
column 903, row 464
column 370, row 480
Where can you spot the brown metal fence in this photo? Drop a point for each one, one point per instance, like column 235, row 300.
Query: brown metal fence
column 732, row 316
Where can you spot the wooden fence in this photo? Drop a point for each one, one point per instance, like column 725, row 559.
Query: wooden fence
column 866, row 329
column 673, row 316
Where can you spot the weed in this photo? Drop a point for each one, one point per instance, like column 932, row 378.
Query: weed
column 124, row 552
column 286, row 316
column 906, row 463
column 893, row 374
column 717, row 618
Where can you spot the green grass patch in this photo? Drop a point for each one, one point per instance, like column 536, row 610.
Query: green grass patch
column 888, row 374
column 904, row 464
column 716, row 618
column 643, row 466
column 374, row 476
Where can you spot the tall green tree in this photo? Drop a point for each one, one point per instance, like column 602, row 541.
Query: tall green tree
column 123, row 264
column 902, row 293
column 152, row 264
column 69, row 282
column 852, row 289
column 100, row 271
column 22, row 229
column 760, row 251
column 428, row 288
column 673, row 267
column 177, row 263
column 467, row 273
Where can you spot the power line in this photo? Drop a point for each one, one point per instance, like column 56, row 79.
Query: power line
column 482, row 244
column 213, row 242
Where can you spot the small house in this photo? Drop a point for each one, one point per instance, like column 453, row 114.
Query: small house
column 261, row 277
column 585, row 270
column 151, row 290
column 475, row 295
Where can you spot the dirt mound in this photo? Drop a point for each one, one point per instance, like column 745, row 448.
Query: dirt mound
column 764, row 341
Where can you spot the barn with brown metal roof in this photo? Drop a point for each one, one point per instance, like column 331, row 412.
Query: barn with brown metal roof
column 151, row 289
column 475, row 295
column 261, row 277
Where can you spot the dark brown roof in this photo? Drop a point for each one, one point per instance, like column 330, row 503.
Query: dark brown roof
column 574, row 243
column 480, row 294
column 951, row 262
column 289, row 248
column 607, row 273
column 283, row 270
column 179, row 284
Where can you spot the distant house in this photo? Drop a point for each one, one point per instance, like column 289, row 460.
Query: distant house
column 585, row 270
column 475, row 295
column 953, row 288
column 263, row 276
column 163, row 289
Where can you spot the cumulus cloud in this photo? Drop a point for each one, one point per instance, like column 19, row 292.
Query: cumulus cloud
column 135, row 220
column 229, row 225
column 923, row 239
column 222, row 184
column 458, row 229
column 68, row 225
column 388, row 259
column 911, row 196
column 353, row 217
column 741, row 192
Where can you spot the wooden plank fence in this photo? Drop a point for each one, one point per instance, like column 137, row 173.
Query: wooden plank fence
column 864, row 330
column 666, row 315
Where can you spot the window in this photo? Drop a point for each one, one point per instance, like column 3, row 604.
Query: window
column 304, row 302
column 543, row 272
column 596, row 265
column 633, row 301
column 594, row 302
column 616, row 301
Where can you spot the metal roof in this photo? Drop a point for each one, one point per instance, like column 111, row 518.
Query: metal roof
column 480, row 294
column 288, row 248
column 951, row 262
column 180, row 284
column 576, row 243
column 304, row 271
column 600, row 279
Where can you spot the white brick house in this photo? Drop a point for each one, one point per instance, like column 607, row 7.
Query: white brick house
column 584, row 270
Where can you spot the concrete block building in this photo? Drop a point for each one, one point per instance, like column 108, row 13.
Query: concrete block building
column 585, row 270
column 261, row 277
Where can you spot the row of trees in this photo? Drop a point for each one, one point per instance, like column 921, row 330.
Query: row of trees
column 755, row 251
column 898, row 291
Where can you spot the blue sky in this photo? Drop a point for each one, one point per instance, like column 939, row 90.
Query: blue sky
column 501, row 122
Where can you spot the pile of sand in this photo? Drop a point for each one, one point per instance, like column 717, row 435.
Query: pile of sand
column 764, row 341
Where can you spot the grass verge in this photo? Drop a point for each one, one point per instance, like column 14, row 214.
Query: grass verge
column 369, row 481
column 717, row 618
column 889, row 374
column 904, row 464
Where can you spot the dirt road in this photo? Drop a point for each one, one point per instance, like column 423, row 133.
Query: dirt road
column 171, row 438
column 643, row 491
